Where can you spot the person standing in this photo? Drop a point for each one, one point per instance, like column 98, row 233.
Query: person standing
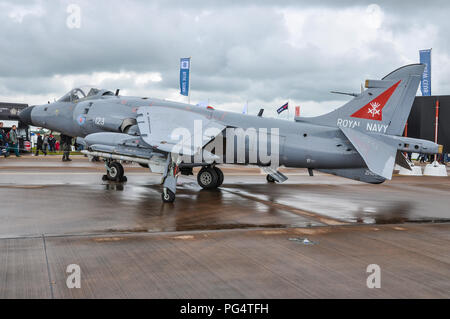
column 3, row 142
column 51, row 143
column 14, row 140
column 39, row 144
column 66, row 142
column 45, row 144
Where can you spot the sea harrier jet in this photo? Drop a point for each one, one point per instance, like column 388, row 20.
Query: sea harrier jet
column 362, row 140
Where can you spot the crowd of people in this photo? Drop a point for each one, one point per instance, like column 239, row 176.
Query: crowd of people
column 440, row 158
column 48, row 143
column 9, row 143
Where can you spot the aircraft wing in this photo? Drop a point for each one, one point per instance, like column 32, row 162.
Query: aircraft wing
column 170, row 130
column 378, row 153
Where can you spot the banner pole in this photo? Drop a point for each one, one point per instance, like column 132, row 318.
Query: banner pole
column 436, row 126
column 190, row 78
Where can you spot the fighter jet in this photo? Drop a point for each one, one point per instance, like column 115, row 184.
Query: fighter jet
column 362, row 140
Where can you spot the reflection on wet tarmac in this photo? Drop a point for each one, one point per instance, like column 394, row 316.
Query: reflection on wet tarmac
column 356, row 203
column 74, row 202
column 113, row 186
column 389, row 213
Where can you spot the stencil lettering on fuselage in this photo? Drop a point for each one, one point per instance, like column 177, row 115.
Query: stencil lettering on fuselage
column 375, row 127
column 348, row 123
column 370, row 126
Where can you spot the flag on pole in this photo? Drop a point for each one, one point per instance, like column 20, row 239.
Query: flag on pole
column 283, row 108
column 185, row 65
column 425, row 83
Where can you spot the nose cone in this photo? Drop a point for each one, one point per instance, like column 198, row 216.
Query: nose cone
column 25, row 115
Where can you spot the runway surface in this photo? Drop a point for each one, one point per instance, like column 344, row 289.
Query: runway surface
column 243, row 240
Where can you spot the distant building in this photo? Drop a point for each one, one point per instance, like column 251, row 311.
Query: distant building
column 10, row 111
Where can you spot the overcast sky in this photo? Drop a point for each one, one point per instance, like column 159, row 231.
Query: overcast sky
column 266, row 52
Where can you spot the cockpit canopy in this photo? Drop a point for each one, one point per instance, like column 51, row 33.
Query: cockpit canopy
column 86, row 92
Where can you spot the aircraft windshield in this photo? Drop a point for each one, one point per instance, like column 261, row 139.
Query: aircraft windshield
column 79, row 93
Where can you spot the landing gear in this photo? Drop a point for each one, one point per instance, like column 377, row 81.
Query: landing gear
column 220, row 176
column 270, row 179
column 114, row 172
column 168, row 196
column 210, row 177
column 169, row 180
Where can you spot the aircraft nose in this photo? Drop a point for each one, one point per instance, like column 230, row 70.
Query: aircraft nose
column 25, row 115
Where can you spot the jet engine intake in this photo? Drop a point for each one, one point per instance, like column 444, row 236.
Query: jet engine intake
column 127, row 124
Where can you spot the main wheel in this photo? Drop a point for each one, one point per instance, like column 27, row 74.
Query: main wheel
column 207, row 178
column 220, row 176
column 270, row 179
column 115, row 172
column 168, row 196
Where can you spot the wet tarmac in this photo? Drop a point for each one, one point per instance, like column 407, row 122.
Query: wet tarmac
column 129, row 244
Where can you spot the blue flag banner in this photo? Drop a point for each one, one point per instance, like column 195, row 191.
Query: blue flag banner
column 185, row 65
column 425, row 83
column 283, row 108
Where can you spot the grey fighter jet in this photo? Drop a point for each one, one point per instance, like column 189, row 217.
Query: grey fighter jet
column 360, row 140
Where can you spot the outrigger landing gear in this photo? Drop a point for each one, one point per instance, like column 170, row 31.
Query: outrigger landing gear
column 210, row 177
column 114, row 172
column 270, row 179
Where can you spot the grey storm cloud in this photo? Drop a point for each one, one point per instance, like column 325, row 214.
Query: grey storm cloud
column 241, row 50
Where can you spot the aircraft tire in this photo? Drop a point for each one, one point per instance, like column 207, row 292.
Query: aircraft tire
column 207, row 178
column 123, row 179
column 168, row 196
column 220, row 175
column 270, row 179
column 115, row 172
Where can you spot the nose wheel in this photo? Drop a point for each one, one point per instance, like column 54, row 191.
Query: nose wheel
column 114, row 172
column 168, row 196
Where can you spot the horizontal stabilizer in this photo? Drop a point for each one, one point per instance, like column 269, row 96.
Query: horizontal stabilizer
column 378, row 155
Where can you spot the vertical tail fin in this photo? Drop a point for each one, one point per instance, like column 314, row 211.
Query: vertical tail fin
column 383, row 107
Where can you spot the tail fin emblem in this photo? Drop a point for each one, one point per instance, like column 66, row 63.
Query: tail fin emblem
column 374, row 109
